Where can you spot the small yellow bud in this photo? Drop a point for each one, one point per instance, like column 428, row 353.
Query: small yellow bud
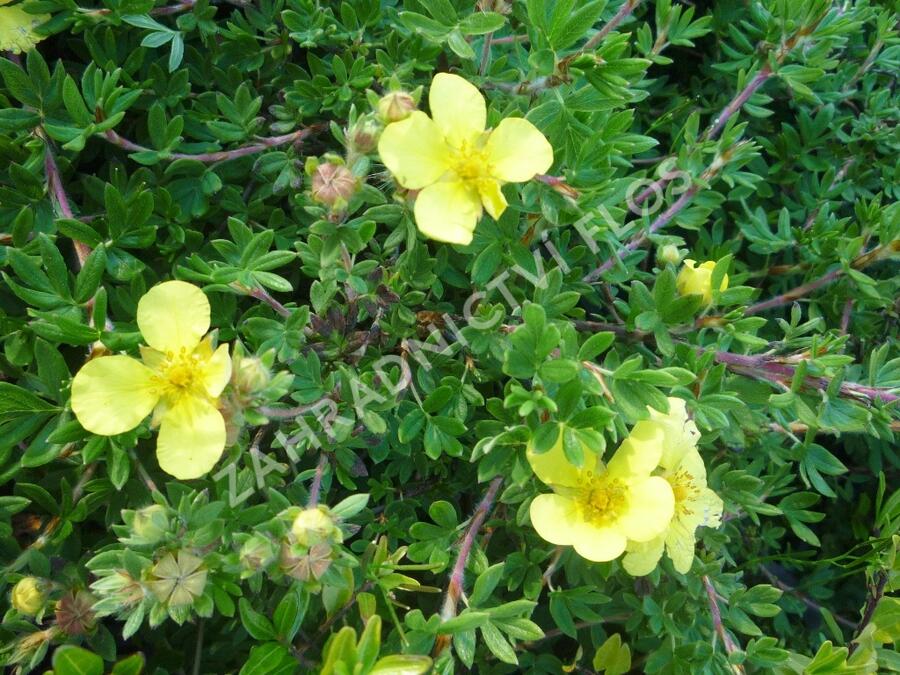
column 28, row 597
column 151, row 523
column 395, row 106
column 313, row 526
column 693, row 280
column 333, row 185
column 669, row 254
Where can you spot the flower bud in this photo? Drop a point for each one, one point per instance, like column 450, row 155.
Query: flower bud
column 333, row 185
column 363, row 137
column 395, row 106
column 693, row 280
column 250, row 375
column 28, row 596
column 313, row 526
column 151, row 523
column 669, row 254
column 257, row 552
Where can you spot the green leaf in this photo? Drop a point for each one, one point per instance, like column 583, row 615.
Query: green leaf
column 480, row 23
column 71, row 660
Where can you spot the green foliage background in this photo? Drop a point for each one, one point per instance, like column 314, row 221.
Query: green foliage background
column 109, row 133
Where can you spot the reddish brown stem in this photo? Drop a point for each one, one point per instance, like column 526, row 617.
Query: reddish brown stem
column 61, row 200
column 627, row 8
column 727, row 641
column 218, row 156
column 316, row 487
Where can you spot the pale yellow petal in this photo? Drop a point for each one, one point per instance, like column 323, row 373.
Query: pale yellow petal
column 492, row 197
column 173, row 315
column 191, row 438
column 680, row 434
column 517, row 151
column 17, row 29
column 414, row 151
column 599, row 544
column 448, row 211
column 692, row 465
column 643, row 557
column 705, row 509
column 217, row 371
column 112, row 394
column 649, row 510
column 554, row 518
column 458, row 108
column 552, row 467
column 680, row 546
column 639, row 454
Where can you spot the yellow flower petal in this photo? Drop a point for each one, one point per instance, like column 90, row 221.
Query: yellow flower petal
column 554, row 518
column 680, row 546
column 552, row 467
column 650, row 508
column 458, row 108
column 17, row 26
column 112, row 394
column 517, row 151
column 173, row 315
column 600, row 544
column 492, row 197
column 448, row 211
column 643, row 557
column 705, row 509
column 680, row 434
column 217, row 371
column 638, row 454
column 191, row 438
column 697, row 280
column 414, row 151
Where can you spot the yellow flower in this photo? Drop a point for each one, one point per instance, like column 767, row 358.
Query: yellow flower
column 179, row 380
column 27, row 596
column 458, row 166
column 695, row 503
column 17, row 26
column 599, row 508
column 693, row 280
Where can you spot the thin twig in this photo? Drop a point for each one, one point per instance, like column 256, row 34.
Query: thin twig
column 874, row 255
column 457, row 575
column 627, row 8
column 876, row 592
column 218, row 156
column 787, row 588
column 316, row 487
column 727, row 641
column 61, row 200
column 142, row 472
column 486, row 54
column 838, row 177
column 198, row 650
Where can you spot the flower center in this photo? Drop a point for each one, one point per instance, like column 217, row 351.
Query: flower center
column 684, row 489
column 180, row 375
column 603, row 500
column 470, row 162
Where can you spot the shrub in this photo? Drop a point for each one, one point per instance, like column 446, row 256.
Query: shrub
column 411, row 336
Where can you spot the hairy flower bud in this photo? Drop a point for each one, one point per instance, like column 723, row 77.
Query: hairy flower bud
column 28, row 596
column 363, row 137
column 313, row 526
column 333, row 184
column 395, row 106
column 257, row 552
column 250, row 375
column 669, row 254
column 151, row 523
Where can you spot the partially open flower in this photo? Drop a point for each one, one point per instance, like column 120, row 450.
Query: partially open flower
column 179, row 379
column 697, row 280
column 28, row 596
